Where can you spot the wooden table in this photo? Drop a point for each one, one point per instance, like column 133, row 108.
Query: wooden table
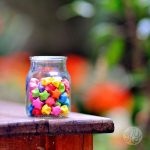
column 19, row 132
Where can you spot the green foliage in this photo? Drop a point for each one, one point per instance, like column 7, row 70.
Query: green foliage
column 114, row 52
column 139, row 101
column 100, row 141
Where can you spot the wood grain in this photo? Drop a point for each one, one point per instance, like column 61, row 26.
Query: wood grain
column 69, row 142
column 60, row 142
column 22, row 143
column 87, row 142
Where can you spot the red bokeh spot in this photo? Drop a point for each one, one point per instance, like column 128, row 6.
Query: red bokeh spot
column 14, row 67
column 106, row 96
column 78, row 69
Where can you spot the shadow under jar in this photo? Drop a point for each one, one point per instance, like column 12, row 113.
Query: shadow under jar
column 48, row 90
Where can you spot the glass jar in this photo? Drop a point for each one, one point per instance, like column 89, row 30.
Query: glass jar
column 48, row 87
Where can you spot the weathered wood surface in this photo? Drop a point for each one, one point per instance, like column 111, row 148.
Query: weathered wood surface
column 59, row 142
column 14, row 121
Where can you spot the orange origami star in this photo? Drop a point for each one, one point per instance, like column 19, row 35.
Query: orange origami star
column 56, row 94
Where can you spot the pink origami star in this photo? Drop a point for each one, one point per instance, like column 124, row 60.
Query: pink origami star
column 37, row 103
column 56, row 110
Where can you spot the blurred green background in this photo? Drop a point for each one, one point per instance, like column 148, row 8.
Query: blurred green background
column 110, row 39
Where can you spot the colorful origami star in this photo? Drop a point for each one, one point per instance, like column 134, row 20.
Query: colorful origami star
column 37, row 103
column 35, row 92
column 56, row 111
column 56, row 94
column 50, row 101
column 61, row 87
column 46, row 110
column 64, row 110
column 44, row 95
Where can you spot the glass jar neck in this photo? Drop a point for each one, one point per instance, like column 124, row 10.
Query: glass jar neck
column 48, row 63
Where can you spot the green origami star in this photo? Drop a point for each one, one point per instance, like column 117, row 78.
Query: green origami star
column 44, row 95
column 61, row 87
column 35, row 92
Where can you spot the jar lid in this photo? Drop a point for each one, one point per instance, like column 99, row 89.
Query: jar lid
column 42, row 58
